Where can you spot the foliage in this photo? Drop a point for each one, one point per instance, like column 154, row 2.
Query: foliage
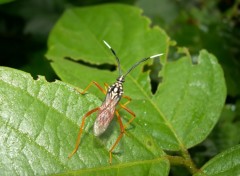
column 203, row 24
column 177, row 99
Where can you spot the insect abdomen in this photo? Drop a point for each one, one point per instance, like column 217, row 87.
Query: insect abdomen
column 102, row 121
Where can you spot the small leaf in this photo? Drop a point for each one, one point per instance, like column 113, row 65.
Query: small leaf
column 225, row 163
column 39, row 122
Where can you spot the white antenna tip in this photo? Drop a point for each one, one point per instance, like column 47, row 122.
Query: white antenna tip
column 156, row 55
column 107, row 44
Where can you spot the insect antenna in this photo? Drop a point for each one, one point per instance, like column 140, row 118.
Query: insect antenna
column 143, row 60
column 118, row 61
column 135, row 65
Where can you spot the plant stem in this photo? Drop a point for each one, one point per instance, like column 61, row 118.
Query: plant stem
column 184, row 160
column 191, row 165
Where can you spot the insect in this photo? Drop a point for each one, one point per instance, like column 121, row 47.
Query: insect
column 106, row 111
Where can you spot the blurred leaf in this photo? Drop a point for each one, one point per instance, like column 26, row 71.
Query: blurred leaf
column 225, row 163
column 5, row 1
column 165, row 11
column 39, row 124
column 216, row 33
column 213, row 25
column 226, row 133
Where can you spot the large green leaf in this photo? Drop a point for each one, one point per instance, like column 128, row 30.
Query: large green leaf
column 187, row 102
column 225, row 163
column 39, row 120
column 79, row 35
column 38, row 127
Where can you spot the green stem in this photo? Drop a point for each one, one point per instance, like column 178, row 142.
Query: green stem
column 184, row 160
column 191, row 165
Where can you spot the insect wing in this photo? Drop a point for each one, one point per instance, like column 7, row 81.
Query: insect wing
column 105, row 116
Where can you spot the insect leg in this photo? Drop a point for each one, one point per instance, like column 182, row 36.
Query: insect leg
column 128, row 98
column 130, row 112
column 89, row 85
column 122, row 128
column 128, row 101
column 119, row 137
column 80, row 131
column 106, row 85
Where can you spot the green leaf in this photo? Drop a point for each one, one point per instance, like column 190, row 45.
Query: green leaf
column 225, row 163
column 38, row 128
column 40, row 120
column 188, row 101
column 79, row 35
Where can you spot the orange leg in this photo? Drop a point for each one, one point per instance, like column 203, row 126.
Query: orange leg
column 130, row 112
column 122, row 129
column 85, row 116
column 80, row 131
column 106, row 85
column 128, row 98
column 119, row 137
column 123, row 106
column 89, row 85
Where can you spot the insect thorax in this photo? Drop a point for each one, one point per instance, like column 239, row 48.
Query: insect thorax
column 115, row 91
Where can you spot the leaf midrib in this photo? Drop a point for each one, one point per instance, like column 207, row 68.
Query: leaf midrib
column 158, row 110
